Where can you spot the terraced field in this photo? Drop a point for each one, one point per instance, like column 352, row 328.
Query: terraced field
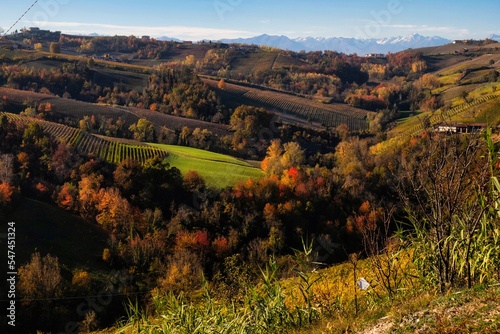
column 294, row 109
column 416, row 125
column 109, row 149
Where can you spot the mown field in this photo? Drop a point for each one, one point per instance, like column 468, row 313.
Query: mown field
column 218, row 170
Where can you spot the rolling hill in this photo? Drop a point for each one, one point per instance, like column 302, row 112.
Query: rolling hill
column 218, row 170
column 76, row 110
column 293, row 109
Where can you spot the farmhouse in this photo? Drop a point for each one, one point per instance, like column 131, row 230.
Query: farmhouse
column 460, row 127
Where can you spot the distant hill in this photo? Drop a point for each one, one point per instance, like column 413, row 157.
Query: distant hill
column 345, row 45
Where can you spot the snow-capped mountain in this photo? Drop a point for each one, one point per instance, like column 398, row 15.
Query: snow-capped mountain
column 170, row 39
column 346, row 45
column 494, row 37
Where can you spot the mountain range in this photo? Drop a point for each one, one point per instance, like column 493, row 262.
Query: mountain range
column 339, row 44
column 494, row 37
column 345, row 45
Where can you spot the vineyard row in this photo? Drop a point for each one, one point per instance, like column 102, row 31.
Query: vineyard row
column 110, row 150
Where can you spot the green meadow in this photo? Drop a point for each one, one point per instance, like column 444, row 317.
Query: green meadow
column 218, row 170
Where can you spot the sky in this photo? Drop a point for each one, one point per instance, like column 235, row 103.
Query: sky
column 218, row 19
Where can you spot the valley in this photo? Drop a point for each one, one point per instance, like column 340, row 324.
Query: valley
column 230, row 187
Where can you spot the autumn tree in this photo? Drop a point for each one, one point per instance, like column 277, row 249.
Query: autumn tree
column 184, row 272
column 127, row 177
column 419, row 66
column 41, row 286
column 143, row 130
column 221, row 84
column 55, row 47
column 193, row 182
column 354, row 163
column 6, row 191
column 88, row 189
column 40, row 279
column 67, row 197
column 293, row 155
column 115, row 213
column 271, row 164
column 246, row 122
column 429, row 81
column 63, row 161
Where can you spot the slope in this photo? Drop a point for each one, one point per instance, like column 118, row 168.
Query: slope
column 218, row 170
column 47, row 229
column 292, row 109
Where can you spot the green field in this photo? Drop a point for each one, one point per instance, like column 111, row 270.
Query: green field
column 218, row 170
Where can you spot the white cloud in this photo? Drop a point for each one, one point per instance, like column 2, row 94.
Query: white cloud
column 181, row 32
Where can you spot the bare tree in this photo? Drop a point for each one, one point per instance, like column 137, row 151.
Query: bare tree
column 438, row 182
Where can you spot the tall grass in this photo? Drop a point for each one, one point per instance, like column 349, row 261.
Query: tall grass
column 264, row 311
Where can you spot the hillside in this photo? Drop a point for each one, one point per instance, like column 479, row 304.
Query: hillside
column 468, row 88
column 326, row 301
column 217, row 170
column 48, row 229
column 291, row 109
column 76, row 110
column 106, row 148
column 334, row 181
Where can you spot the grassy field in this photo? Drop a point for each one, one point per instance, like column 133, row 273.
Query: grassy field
column 218, row 170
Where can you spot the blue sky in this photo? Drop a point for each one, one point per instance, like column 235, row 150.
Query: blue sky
column 215, row 19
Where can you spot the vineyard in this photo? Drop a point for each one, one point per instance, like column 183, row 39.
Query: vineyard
column 105, row 148
column 253, row 62
column 77, row 110
column 446, row 115
column 296, row 110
